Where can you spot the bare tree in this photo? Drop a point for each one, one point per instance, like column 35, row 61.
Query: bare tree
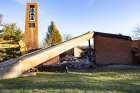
column 137, row 34
column 1, row 17
column 45, row 43
column 67, row 37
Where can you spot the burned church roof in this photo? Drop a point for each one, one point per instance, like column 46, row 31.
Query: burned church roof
column 119, row 36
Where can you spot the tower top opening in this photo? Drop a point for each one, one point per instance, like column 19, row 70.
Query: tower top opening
column 32, row 1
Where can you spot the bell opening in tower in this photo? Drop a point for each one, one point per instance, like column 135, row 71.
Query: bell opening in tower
column 32, row 13
column 31, row 25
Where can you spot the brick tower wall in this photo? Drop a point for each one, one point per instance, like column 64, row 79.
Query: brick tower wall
column 31, row 38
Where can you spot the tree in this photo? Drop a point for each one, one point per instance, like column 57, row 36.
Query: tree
column 1, row 17
column 44, row 43
column 13, row 35
column 137, row 33
column 11, row 32
column 67, row 37
column 53, row 36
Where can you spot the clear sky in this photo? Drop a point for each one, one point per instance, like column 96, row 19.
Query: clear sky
column 76, row 17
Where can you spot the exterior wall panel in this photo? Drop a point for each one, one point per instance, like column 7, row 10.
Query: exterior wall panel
column 110, row 50
column 136, row 51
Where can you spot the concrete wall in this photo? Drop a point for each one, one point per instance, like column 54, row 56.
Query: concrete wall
column 77, row 52
column 112, row 49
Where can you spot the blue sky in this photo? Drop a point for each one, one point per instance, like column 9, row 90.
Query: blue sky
column 76, row 17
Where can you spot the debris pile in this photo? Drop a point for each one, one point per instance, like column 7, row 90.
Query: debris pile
column 70, row 63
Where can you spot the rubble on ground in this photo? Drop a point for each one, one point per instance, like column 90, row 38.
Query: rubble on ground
column 76, row 63
column 70, row 63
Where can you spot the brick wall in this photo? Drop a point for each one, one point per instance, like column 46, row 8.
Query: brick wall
column 136, row 43
column 136, row 51
column 112, row 49
column 31, row 33
column 54, row 60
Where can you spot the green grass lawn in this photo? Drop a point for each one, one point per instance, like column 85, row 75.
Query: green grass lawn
column 99, row 81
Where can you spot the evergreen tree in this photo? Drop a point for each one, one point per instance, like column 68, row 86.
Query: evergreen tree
column 13, row 35
column 11, row 32
column 53, row 36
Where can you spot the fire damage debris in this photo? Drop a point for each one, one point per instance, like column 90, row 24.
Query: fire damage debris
column 69, row 63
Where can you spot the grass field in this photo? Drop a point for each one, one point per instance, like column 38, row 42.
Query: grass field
column 99, row 81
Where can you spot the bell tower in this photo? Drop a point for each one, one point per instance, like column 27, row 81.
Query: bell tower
column 31, row 25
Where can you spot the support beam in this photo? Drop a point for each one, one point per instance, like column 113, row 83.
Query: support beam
column 89, row 51
column 17, row 67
